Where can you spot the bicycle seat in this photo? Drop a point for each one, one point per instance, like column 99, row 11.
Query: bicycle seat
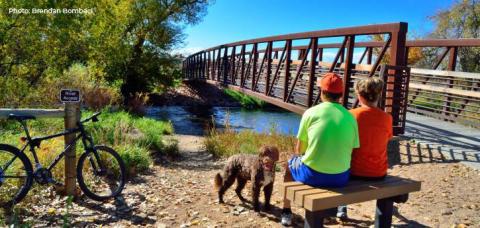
column 20, row 117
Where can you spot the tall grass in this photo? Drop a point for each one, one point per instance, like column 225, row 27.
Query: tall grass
column 134, row 138
column 226, row 142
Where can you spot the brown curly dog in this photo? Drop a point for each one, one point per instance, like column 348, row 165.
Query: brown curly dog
column 260, row 169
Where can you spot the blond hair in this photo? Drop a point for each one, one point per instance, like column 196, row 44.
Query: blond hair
column 370, row 89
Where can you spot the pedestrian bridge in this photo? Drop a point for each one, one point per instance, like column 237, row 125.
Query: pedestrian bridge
column 443, row 103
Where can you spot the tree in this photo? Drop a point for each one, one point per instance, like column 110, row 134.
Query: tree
column 126, row 42
column 414, row 54
column 462, row 20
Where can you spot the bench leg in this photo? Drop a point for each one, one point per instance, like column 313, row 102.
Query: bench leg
column 315, row 219
column 383, row 215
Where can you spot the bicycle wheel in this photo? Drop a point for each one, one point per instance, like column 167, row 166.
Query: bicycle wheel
column 15, row 175
column 101, row 173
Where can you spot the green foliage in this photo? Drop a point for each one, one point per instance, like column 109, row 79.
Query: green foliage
column 137, row 159
column 245, row 100
column 122, row 42
column 462, row 20
column 96, row 91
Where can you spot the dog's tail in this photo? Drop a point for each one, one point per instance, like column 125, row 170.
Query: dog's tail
column 217, row 181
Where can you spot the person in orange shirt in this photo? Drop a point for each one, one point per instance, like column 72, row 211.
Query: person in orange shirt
column 369, row 162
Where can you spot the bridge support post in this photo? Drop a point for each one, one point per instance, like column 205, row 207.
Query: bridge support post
column 311, row 76
column 348, row 70
column 288, row 56
column 394, row 82
column 452, row 64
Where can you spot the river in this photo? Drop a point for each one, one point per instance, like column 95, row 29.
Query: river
column 195, row 120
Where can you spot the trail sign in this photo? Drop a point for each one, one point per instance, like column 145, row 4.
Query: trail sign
column 70, row 95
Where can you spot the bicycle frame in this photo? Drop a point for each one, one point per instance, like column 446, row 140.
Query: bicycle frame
column 35, row 142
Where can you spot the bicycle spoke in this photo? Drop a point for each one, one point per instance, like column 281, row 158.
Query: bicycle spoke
column 101, row 174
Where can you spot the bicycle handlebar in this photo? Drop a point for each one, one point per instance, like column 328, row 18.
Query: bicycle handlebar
column 93, row 118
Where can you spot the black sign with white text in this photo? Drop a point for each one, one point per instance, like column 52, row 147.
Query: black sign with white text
column 70, row 95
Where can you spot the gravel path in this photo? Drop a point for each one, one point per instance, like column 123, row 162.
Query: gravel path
column 178, row 193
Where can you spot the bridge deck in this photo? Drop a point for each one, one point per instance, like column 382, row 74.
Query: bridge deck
column 454, row 142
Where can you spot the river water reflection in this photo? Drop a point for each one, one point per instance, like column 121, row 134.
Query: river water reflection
column 195, row 120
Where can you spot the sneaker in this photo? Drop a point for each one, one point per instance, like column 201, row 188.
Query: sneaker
column 342, row 212
column 287, row 219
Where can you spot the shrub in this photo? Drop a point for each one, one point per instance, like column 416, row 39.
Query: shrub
column 137, row 159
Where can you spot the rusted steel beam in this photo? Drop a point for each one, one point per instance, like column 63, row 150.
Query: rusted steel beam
column 359, row 30
column 275, row 76
column 397, row 59
column 256, row 78
column 335, row 60
column 369, row 55
column 242, row 73
column 299, row 72
column 440, row 58
column 218, row 62
column 452, row 64
column 269, row 67
column 320, row 54
column 347, row 72
column 311, row 76
column 225, row 65
column 209, row 59
column 233, row 75
column 255, row 60
column 380, row 56
column 287, row 69
column 363, row 55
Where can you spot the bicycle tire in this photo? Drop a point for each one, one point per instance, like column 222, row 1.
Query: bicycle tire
column 81, row 179
column 23, row 191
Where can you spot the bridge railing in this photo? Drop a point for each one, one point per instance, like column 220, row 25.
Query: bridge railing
column 448, row 95
column 273, row 69
column 444, row 94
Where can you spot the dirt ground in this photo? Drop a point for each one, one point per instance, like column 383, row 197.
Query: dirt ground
column 179, row 193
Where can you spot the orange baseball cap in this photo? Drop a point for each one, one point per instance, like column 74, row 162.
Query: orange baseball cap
column 331, row 82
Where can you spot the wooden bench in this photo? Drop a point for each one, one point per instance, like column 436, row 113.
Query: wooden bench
column 323, row 202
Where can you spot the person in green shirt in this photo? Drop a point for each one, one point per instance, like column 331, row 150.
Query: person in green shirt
column 326, row 137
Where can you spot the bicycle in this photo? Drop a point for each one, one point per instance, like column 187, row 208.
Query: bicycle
column 101, row 172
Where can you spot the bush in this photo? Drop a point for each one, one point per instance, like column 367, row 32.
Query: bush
column 44, row 92
column 137, row 159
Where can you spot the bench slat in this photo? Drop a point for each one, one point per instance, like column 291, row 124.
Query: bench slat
column 378, row 190
column 292, row 190
column 300, row 195
column 297, row 193
column 286, row 185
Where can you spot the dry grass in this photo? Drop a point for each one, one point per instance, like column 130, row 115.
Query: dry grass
column 227, row 142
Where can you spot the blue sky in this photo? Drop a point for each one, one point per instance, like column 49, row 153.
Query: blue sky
column 235, row 20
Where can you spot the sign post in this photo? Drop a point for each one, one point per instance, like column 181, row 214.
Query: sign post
column 71, row 99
